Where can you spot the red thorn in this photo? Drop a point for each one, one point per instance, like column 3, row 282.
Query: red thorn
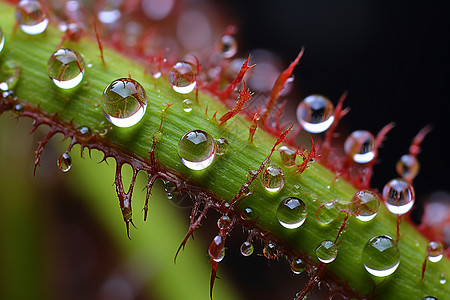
column 424, row 266
column 244, row 96
column 100, row 46
column 254, row 125
column 414, row 149
column 214, row 266
column 226, row 93
column 312, row 155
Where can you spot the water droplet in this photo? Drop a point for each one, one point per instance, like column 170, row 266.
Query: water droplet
column 110, row 12
column 66, row 68
column 442, row 278
column 430, row 298
column 360, row 146
column 187, row 105
column 124, row 102
column 326, row 252
column 273, row 178
column 18, row 109
column 31, row 17
column 269, row 251
column 197, row 149
column 408, row 167
column 224, row 222
column 216, row 249
column 182, row 77
column 2, row 40
column 315, row 113
column 247, row 248
column 65, row 162
column 297, row 266
column 435, row 251
column 157, row 137
column 366, row 205
column 156, row 9
column 291, row 213
column 228, row 46
column 381, row 256
column 248, row 214
column 399, row 196
column 103, row 128
column 9, row 75
column 327, row 213
column 222, row 146
column 288, row 156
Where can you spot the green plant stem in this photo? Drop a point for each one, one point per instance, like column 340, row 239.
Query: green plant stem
column 228, row 173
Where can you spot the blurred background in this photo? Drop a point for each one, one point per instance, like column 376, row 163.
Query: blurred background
column 62, row 236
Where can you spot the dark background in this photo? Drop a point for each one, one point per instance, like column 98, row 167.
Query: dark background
column 393, row 58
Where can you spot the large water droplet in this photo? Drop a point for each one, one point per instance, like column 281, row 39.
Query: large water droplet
column 9, row 75
column 216, row 249
column 327, row 213
column 31, row 17
column 273, row 178
column 291, row 213
column 315, row 113
column 381, row 256
column 222, row 146
column 366, row 205
column 2, row 40
column 64, row 162
column 297, row 266
column 247, row 248
column 248, row 214
column 287, row 156
column 187, row 105
column 182, row 77
column 228, row 46
column 430, row 298
column 326, row 252
column 399, row 196
column 197, row 149
column 407, row 167
column 124, row 102
column 435, row 251
column 360, row 146
column 66, row 68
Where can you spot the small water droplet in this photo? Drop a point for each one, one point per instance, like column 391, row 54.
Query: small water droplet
column 182, row 77
column 66, row 68
column 399, row 196
column 430, row 298
column 326, row 252
column 435, row 251
column 18, row 109
column 187, row 105
column 366, row 205
column 291, row 213
column 269, row 251
column 327, row 213
column 31, row 17
column 248, row 214
column 297, row 266
column 288, row 156
column 228, row 46
column 222, row 146
column 381, row 256
column 224, row 222
column 158, row 136
column 124, row 102
column 197, row 149
column 65, row 162
column 360, row 146
column 110, row 12
column 103, row 128
column 84, row 130
column 407, row 167
column 9, row 75
column 273, row 178
column 2, row 40
column 315, row 113
column 442, row 278
column 247, row 248
column 216, row 249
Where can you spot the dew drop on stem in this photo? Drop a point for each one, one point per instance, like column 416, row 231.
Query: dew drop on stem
column 182, row 77
column 31, row 17
column 315, row 113
column 228, row 46
column 297, row 266
column 197, row 149
column 291, row 213
column 273, row 178
column 326, row 251
column 366, row 205
column 64, row 162
column 216, row 249
column 408, row 167
column 435, row 251
column 66, row 68
column 9, row 75
column 124, row 102
column 187, row 105
column 381, row 256
column 327, row 213
column 360, row 146
column 288, row 156
column 399, row 196
column 269, row 250
column 224, row 222
column 222, row 146
column 249, row 214
column 109, row 13
column 247, row 248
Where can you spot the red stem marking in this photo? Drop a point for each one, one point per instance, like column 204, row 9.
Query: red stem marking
column 100, row 46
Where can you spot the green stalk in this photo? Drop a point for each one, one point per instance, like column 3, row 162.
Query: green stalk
column 227, row 174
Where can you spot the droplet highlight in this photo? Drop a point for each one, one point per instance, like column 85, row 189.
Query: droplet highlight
column 291, row 213
column 197, row 149
column 2, row 40
column 315, row 113
column 247, row 248
column 407, row 167
column 182, row 77
column 66, row 68
column 360, row 146
column 216, row 249
column 381, row 256
column 399, row 196
column 326, row 252
column 64, row 162
column 124, row 102
column 222, row 146
column 273, row 179
column 288, row 156
column 31, row 17
column 435, row 251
